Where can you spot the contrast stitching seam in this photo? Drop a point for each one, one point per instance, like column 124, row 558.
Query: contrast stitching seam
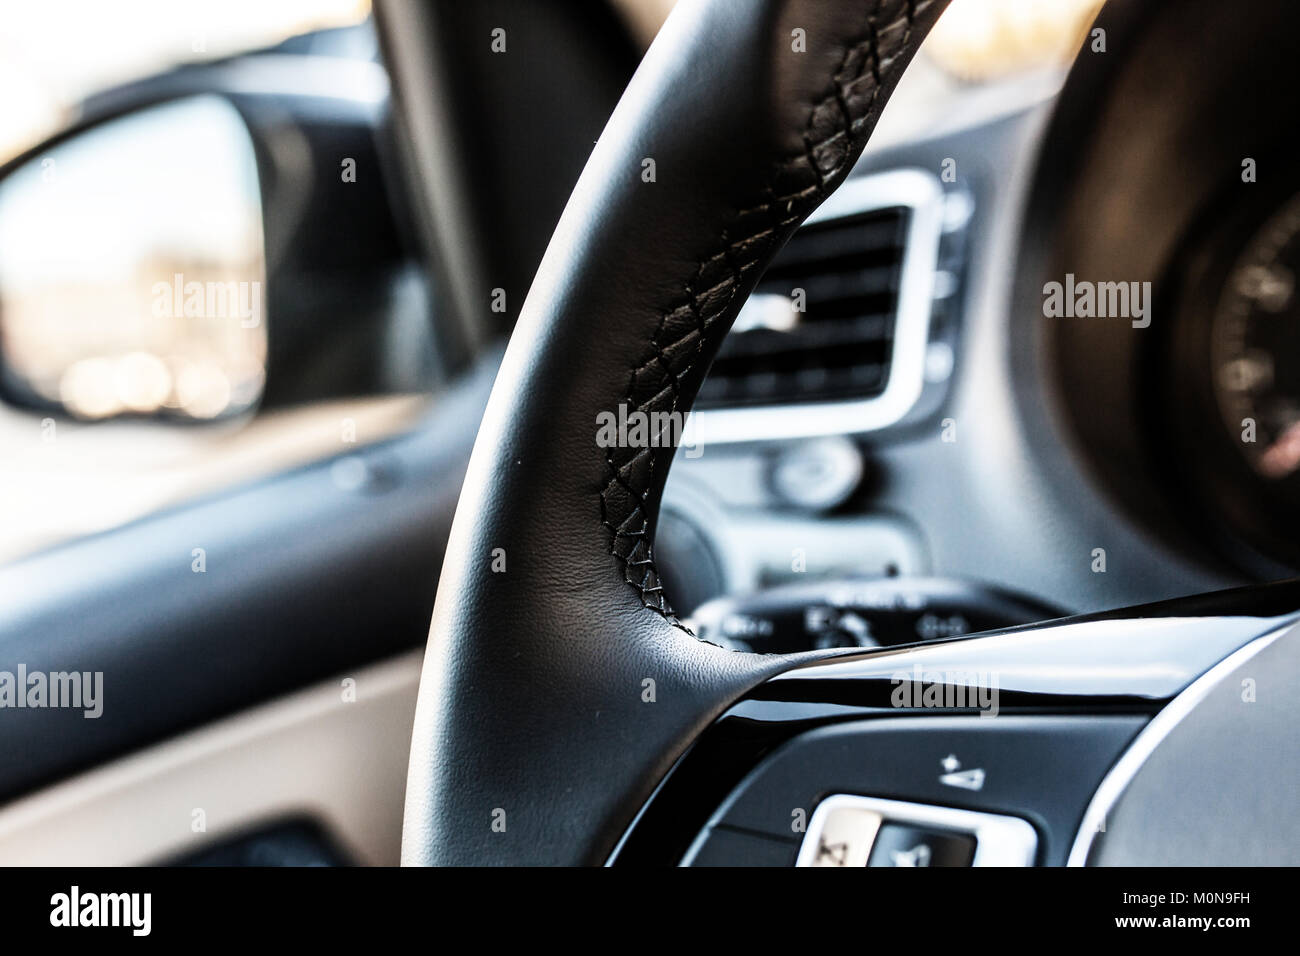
column 630, row 540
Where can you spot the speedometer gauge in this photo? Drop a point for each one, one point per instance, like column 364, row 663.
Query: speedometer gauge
column 1227, row 363
column 1255, row 347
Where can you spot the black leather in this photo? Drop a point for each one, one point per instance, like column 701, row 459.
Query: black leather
column 532, row 712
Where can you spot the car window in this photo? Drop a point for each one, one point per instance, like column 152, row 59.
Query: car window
column 70, row 342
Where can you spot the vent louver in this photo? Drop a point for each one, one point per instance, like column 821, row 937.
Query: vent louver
column 853, row 327
column 846, row 275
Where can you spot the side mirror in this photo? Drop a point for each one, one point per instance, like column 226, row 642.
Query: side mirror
column 133, row 268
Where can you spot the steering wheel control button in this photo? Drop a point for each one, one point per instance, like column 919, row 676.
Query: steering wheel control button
column 848, row 830
column 1044, row 768
column 901, row 845
column 954, row 776
column 840, row 834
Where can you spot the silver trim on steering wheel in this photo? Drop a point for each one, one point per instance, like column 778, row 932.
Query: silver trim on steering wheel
column 1144, row 744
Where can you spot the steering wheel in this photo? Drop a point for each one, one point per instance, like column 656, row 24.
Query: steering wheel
column 559, row 688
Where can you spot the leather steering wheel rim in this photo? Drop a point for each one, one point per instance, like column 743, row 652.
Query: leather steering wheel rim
column 558, row 687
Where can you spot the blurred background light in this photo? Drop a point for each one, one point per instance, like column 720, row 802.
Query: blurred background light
column 55, row 53
column 978, row 40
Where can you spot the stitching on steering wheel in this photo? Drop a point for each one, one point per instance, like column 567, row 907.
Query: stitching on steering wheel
column 793, row 190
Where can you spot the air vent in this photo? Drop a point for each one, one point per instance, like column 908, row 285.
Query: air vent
column 833, row 340
column 820, row 325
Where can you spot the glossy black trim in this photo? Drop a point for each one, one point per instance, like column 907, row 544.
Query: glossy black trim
column 1130, row 661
